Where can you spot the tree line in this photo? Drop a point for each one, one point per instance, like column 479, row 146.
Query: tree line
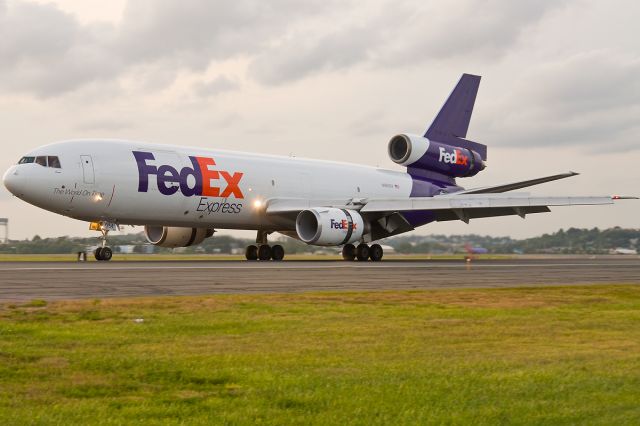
column 570, row 241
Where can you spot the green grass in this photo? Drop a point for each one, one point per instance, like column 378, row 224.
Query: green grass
column 566, row 355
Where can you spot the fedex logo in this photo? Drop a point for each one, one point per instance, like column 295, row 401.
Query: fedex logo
column 455, row 157
column 206, row 181
column 341, row 224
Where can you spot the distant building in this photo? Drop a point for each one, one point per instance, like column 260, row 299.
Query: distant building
column 4, row 222
column 388, row 249
column 621, row 250
column 128, row 249
column 146, row 249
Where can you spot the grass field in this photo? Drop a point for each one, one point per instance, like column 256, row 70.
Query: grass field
column 566, row 355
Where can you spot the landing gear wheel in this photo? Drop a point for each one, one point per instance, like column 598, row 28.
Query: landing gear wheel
column 376, row 252
column 277, row 252
column 251, row 253
column 264, row 252
column 362, row 252
column 103, row 254
column 349, row 252
column 106, row 254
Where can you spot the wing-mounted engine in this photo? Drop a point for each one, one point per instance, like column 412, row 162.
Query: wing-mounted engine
column 171, row 236
column 329, row 226
column 421, row 153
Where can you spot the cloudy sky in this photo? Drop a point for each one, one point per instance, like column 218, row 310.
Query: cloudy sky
column 334, row 80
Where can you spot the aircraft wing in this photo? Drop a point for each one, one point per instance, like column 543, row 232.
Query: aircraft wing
column 470, row 206
column 456, row 206
column 516, row 185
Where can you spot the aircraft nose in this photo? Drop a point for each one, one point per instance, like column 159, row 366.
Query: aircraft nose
column 12, row 181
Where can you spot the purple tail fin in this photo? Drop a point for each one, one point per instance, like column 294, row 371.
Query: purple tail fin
column 452, row 122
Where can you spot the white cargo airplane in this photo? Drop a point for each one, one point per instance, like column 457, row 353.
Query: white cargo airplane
column 181, row 195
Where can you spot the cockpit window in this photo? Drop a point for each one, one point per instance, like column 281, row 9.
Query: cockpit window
column 54, row 162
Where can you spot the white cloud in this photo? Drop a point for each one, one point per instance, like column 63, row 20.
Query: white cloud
column 592, row 98
column 215, row 87
column 402, row 33
column 49, row 52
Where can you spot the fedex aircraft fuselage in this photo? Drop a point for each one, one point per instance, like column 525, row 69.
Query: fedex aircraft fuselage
column 181, row 195
column 145, row 184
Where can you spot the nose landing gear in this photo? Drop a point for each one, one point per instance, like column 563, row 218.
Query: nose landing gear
column 103, row 253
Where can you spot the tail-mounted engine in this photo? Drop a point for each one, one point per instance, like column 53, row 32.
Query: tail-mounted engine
column 421, row 153
column 329, row 226
column 170, row 236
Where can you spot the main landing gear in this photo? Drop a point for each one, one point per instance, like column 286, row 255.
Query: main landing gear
column 262, row 250
column 362, row 252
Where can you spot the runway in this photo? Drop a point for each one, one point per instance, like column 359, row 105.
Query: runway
column 20, row 281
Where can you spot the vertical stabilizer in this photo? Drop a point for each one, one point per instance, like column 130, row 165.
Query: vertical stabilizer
column 452, row 122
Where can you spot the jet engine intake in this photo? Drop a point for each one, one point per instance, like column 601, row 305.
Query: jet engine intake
column 329, row 226
column 422, row 153
column 171, row 236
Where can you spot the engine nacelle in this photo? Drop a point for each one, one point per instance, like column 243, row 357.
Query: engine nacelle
column 329, row 226
column 170, row 236
column 420, row 152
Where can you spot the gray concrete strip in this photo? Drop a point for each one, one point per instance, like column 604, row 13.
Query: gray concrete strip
column 22, row 281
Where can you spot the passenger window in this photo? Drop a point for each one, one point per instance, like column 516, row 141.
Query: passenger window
column 54, row 162
column 26, row 160
column 42, row 161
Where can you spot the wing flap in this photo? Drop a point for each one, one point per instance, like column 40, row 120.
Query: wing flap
column 477, row 213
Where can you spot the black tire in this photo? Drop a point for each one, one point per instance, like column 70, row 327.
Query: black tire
column 251, row 253
column 362, row 252
column 264, row 252
column 376, row 252
column 106, row 254
column 277, row 252
column 97, row 253
column 349, row 252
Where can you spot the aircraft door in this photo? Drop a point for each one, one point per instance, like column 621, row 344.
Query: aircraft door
column 88, row 173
